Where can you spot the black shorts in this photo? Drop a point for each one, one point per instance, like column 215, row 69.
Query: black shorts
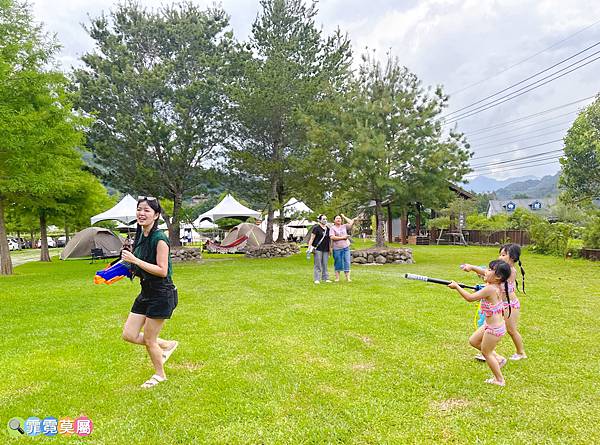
column 157, row 299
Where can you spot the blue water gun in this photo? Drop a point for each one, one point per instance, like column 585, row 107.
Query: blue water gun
column 114, row 272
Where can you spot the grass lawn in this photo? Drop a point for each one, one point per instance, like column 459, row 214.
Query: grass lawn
column 268, row 357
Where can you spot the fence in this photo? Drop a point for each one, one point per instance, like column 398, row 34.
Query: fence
column 591, row 254
column 486, row 237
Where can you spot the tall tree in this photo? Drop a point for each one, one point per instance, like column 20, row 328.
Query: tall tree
column 38, row 131
column 393, row 145
column 292, row 66
column 155, row 86
column 580, row 176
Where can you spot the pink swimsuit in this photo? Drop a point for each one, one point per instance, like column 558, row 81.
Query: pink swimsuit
column 489, row 309
column 514, row 302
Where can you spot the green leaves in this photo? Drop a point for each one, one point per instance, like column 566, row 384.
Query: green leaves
column 580, row 176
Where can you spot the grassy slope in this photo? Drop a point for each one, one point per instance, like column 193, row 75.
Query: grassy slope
column 268, row 357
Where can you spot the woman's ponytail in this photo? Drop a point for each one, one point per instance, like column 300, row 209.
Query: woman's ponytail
column 523, row 275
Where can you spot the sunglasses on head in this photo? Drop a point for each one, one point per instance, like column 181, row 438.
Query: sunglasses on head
column 146, row 198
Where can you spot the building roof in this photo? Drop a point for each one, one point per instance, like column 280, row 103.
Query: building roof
column 507, row 206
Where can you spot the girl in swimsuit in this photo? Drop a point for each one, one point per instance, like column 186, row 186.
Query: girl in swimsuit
column 487, row 336
column 511, row 254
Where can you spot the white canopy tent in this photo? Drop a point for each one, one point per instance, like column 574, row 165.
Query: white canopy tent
column 124, row 211
column 297, row 227
column 228, row 207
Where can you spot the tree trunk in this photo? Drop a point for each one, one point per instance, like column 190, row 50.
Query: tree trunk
column 6, row 267
column 379, row 234
column 403, row 227
column 174, row 226
column 44, row 253
column 418, row 218
column 281, row 221
column 272, row 201
column 390, row 224
column 66, row 234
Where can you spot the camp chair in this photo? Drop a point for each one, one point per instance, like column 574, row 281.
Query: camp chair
column 97, row 254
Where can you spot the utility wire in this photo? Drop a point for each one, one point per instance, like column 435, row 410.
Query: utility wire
column 506, row 170
column 523, row 158
column 482, row 139
column 531, row 77
column 511, row 141
column 518, row 149
column 499, row 102
column 530, row 116
column 524, row 60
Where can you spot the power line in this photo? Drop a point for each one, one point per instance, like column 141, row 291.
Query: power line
column 511, row 140
column 511, row 168
column 531, row 77
column 505, row 132
column 518, row 149
column 530, row 116
column 499, row 102
column 524, row 60
column 524, row 158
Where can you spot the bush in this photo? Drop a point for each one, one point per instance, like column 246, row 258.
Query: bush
column 574, row 247
column 481, row 222
column 522, row 219
column 551, row 238
column 443, row 222
column 591, row 235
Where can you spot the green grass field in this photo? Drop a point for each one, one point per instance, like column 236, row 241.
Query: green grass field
column 268, row 357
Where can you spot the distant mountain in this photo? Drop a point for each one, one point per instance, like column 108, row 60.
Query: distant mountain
column 483, row 184
column 533, row 188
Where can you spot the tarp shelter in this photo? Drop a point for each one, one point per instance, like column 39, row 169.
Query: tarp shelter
column 228, row 207
column 124, row 211
column 256, row 236
column 81, row 245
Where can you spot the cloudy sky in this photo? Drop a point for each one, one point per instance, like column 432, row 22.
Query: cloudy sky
column 474, row 48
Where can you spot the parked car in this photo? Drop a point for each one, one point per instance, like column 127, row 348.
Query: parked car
column 61, row 241
column 13, row 245
column 51, row 243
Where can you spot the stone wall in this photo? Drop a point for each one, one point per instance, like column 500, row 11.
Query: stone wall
column 272, row 250
column 385, row 255
column 186, row 254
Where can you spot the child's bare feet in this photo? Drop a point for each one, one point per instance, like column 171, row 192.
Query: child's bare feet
column 493, row 381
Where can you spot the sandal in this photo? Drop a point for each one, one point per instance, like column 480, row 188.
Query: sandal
column 493, row 381
column 153, row 381
column 166, row 354
column 518, row 356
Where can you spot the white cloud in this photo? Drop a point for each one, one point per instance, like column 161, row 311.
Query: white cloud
column 451, row 42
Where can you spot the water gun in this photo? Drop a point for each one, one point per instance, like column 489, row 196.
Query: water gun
column 115, row 271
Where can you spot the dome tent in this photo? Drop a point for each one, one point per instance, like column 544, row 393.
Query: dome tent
column 81, row 245
column 256, row 236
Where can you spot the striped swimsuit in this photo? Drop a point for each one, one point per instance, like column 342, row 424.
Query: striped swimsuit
column 489, row 309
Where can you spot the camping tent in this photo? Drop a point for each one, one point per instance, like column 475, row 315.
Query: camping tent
column 124, row 211
column 228, row 207
column 256, row 236
column 81, row 245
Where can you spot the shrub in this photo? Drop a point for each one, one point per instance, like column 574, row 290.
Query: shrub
column 551, row 238
column 523, row 219
column 443, row 222
column 591, row 235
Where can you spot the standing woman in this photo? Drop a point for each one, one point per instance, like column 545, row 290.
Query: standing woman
column 158, row 298
column 341, row 245
column 319, row 244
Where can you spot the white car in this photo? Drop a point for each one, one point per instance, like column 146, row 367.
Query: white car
column 51, row 243
column 13, row 245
